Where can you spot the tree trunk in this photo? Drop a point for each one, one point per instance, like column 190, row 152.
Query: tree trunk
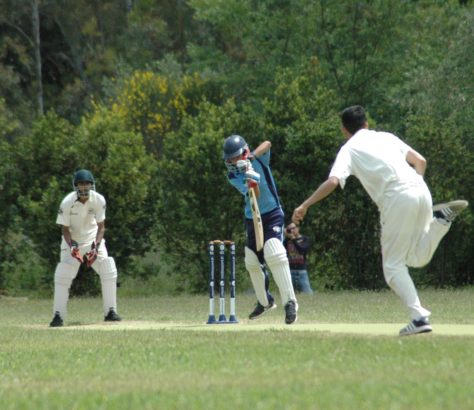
column 36, row 43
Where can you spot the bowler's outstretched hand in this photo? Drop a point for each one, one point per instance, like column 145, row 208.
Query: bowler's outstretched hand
column 298, row 214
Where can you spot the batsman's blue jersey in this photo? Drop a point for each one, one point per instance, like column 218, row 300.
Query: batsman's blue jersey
column 268, row 200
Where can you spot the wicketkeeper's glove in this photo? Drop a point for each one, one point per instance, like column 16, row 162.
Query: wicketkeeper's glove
column 75, row 251
column 91, row 256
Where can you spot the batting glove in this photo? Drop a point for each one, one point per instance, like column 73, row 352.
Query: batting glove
column 91, row 256
column 75, row 251
column 251, row 183
column 243, row 165
column 251, row 175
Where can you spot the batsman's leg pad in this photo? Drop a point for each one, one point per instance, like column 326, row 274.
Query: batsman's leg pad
column 277, row 261
column 63, row 277
column 107, row 271
column 256, row 275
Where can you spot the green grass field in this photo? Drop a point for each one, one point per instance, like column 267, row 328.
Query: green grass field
column 163, row 356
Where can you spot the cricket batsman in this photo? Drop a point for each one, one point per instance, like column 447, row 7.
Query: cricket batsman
column 252, row 169
column 82, row 219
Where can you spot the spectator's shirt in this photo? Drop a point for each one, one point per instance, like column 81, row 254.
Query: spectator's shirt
column 297, row 250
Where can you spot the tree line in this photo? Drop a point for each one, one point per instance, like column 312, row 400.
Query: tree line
column 144, row 92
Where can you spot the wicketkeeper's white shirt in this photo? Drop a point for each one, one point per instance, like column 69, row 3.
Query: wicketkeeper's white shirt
column 378, row 160
column 82, row 219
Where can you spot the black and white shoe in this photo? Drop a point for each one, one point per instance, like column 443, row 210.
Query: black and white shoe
column 112, row 316
column 449, row 210
column 421, row 325
column 260, row 310
column 290, row 312
column 57, row 321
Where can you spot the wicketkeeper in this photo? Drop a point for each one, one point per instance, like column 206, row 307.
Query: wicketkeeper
column 82, row 219
column 253, row 168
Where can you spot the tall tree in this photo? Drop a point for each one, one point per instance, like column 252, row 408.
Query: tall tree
column 37, row 52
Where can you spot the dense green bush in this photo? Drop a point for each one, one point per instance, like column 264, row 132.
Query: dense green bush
column 22, row 268
column 43, row 163
column 196, row 204
column 275, row 70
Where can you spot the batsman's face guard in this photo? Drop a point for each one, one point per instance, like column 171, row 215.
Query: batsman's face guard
column 83, row 181
column 235, row 148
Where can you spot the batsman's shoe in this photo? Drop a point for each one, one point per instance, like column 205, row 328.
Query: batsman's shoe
column 421, row 325
column 449, row 210
column 57, row 321
column 260, row 310
column 290, row 312
column 112, row 316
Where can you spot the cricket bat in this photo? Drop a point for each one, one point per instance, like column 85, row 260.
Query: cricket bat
column 257, row 219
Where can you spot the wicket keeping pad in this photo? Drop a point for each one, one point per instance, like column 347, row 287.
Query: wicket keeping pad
column 65, row 273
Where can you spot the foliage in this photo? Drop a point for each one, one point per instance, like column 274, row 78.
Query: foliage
column 196, row 204
column 22, row 268
column 123, row 172
column 8, row 171
column 303, row 125
column 153, row 105
column 44, row 162
column 439, row 128
column 143, row 94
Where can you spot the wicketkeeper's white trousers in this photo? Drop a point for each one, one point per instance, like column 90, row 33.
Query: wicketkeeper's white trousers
column 410, row 236
column 68, row 268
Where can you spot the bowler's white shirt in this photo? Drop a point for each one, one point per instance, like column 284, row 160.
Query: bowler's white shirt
column 82, row 219
column 378, row 160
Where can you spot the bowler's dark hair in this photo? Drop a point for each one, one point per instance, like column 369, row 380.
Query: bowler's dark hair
column 353, row 118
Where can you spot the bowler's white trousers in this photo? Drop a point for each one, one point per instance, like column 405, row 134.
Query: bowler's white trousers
column 410, row 236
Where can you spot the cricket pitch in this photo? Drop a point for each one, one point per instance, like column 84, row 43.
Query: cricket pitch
column 373, row 329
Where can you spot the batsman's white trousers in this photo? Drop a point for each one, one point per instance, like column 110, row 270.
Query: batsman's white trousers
column 410, row 236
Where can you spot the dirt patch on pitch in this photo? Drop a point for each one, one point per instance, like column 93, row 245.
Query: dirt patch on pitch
column 376, row 329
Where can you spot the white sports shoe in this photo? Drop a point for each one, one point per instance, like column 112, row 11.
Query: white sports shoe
column 421, row 325
column 449, row 210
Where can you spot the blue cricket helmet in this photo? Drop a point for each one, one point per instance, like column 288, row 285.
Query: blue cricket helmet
column 234, row 146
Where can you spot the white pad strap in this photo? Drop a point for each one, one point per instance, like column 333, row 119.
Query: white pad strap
column 63, row 277
column 108, row 278
column 277, row 260
column 256, row 275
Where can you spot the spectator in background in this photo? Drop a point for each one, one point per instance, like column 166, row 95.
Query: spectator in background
column 297, row 247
